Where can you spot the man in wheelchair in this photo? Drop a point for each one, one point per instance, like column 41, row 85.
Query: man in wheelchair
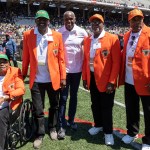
column 11, row 91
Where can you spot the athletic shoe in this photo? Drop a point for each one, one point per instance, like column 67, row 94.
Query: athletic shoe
column 145, row 147
column 72, row 125
column 61, row 134
column 37, row 142
column 109, row 139
column 95, row 130
column 127, row 139
column 53, row 134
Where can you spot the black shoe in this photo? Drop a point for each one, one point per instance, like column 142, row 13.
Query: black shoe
column 61, row 134
column 72, row 126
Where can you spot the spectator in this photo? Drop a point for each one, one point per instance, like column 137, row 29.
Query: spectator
column 135, row 75
column 73, row 37
column 11, row 88
column 10, row 47
column 100, row 71
column 43, row 50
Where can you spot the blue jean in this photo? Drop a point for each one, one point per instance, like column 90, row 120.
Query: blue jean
column 72, row 83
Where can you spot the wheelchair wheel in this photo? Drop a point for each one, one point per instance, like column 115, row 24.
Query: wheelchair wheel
column 26, row 121
column 12, row 140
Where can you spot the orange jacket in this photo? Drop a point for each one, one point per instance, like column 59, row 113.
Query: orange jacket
column 106, row 67
column 56, row 64
column 13, row 86
column 140, row 63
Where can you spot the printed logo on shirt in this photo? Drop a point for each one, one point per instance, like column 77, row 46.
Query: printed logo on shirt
column 105, row 53
column 146, row 52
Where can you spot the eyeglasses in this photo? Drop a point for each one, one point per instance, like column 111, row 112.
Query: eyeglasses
column 132, row 38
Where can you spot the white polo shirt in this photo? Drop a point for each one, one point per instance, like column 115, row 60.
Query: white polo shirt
column 42, row 74
column 129, row 57
column 95, row 44
column 73, row 48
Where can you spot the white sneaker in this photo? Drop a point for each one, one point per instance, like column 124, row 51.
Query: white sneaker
column 145, row 147
column 109, row 139
column 95, row 130
column 127, row 139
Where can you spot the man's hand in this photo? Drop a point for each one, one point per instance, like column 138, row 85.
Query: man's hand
column 109, row 88
column 1, row 100
column 63, row 84
column 85, row 84
column 4, row 98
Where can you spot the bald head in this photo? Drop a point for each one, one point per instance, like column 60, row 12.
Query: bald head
column 69, row 20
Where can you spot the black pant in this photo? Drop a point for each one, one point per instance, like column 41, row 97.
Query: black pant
column 102, row 105
column 38, row 96
column 4, row 121
column 132, row 111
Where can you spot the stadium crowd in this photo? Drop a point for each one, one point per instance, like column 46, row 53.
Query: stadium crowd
column 16, row 20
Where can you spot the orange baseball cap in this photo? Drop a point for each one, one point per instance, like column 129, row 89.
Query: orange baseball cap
column 135, row 12
column 96, row 16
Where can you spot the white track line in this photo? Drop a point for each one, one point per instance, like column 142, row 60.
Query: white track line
column 116, row 102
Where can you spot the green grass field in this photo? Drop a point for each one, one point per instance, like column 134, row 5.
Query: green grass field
column 80, row 139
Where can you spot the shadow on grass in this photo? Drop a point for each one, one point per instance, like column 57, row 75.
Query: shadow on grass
column 82, row 133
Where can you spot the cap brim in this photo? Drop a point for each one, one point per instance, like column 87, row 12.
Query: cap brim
column 95, row 17
column 130, row 18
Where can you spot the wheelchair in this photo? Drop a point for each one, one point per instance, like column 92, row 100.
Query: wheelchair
column 20, row 128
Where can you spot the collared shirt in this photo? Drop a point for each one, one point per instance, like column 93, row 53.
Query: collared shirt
column 129, row 56
column 95, row 45
column 5, row 103
column 73, row 48
column 43, row 74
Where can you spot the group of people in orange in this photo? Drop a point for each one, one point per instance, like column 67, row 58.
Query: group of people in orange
column 57, row 61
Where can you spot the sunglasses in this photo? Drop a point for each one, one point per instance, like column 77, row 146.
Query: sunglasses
column 132, row 38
